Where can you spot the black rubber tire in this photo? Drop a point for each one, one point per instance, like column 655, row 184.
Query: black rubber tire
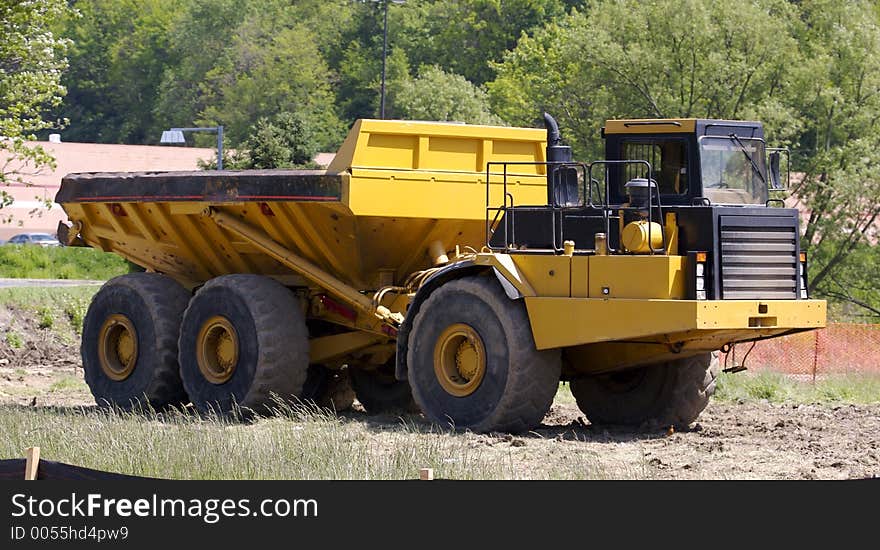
column 520, row 381
column 673, row 393
column 154, row 304
column 379, row 392
column 316, row 383
column 328, row 388
column 273, row 344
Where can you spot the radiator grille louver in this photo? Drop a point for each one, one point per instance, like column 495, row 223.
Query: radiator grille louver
column 758, row 263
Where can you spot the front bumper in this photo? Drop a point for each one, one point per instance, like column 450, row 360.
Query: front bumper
column 566, row 322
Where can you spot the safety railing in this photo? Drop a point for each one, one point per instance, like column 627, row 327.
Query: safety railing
column 503, row 217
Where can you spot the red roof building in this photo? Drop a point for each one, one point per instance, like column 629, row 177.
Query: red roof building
column 29, row 212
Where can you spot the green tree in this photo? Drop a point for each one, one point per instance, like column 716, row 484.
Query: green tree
column 852, row 285
column 357, row 61
column 678, row 58
column 283, row 141
column 120, row 52
column 438, row 95
column 839, row 149
column 460, row 37
column 465, row 36
column 272, row 65
column 200, row 34
column 32, row 59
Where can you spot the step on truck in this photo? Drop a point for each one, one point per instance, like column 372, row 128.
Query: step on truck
column 467, row 269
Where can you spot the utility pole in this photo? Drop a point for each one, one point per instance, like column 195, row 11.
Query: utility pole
column 384, row 52
column 384, row 55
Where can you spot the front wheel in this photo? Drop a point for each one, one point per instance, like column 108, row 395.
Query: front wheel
column 473, row 363
column 671, row 393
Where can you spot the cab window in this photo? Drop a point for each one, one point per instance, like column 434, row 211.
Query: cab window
column 668, row 158
column 733, row 170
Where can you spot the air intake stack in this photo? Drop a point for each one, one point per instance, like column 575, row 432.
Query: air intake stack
column 561, row 179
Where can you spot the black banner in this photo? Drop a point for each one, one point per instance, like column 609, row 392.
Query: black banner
column 334, row 514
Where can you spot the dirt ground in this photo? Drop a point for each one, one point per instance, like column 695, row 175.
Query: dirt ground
column 740, row 440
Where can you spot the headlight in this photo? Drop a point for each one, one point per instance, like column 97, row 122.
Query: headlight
column 700, row 274
column 802, row 275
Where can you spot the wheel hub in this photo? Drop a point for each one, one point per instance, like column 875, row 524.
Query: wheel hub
column 460, row 360
column 467, row 360
column 117, row 347
column 217, row 350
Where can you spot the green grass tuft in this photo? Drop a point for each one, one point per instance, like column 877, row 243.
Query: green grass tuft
column 782, row 388
column 299, row 443
column 50, row 308
column 45, row 319
column 62, row 262
column 563, row 395
column 14, row 340
column 67, row 383
column 73, row 298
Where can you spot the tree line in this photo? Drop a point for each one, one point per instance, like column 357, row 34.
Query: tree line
column 287, row 79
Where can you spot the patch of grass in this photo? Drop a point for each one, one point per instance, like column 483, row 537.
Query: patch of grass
column 34, row 298
column 563, row 395
column 14, row 340
column 780, row 388
column 50, row 308
column 67, row 383
column 62, row 262
column 45, row 318
column 300, row 443
column 75, row 310
column 20, row 372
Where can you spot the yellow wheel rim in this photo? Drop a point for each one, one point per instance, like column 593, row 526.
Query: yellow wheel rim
column 117, row 347
column 217, row 350
column 460, row 360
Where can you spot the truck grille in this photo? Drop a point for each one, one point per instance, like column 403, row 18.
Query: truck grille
column 758, row 262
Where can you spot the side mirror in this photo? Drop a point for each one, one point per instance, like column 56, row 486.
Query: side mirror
column 774, row 171
column 776, row 182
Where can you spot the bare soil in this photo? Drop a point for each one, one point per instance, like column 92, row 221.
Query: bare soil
column 748, row 440
column 39, row 365
column 741, row 440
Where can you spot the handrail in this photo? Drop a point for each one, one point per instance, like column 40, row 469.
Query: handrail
column 558, row 213
column 652, row 189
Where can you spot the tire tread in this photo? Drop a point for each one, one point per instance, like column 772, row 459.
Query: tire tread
column 533, row 376
column 165, row 301
column 281, row 333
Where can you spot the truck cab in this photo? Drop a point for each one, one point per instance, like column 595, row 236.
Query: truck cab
column 695, row 161
column 692, row 187
column 713, row 176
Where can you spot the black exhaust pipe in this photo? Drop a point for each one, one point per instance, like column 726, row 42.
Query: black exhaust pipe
column 553, row 137
column 558, row 184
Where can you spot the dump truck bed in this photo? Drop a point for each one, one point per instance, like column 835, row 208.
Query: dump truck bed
column 393, row 189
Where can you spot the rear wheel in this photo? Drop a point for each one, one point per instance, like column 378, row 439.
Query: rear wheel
column 672, row 393
column 129, row 341
column 328, row 388
column 243, row 339
column 472, row 360
column 379, row 391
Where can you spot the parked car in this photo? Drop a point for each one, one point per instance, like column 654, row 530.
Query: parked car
column 38, row 239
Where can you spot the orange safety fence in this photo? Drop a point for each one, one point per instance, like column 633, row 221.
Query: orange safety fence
column 840, row 348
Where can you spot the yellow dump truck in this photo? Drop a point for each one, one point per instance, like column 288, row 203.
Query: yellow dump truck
column 466, row 268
